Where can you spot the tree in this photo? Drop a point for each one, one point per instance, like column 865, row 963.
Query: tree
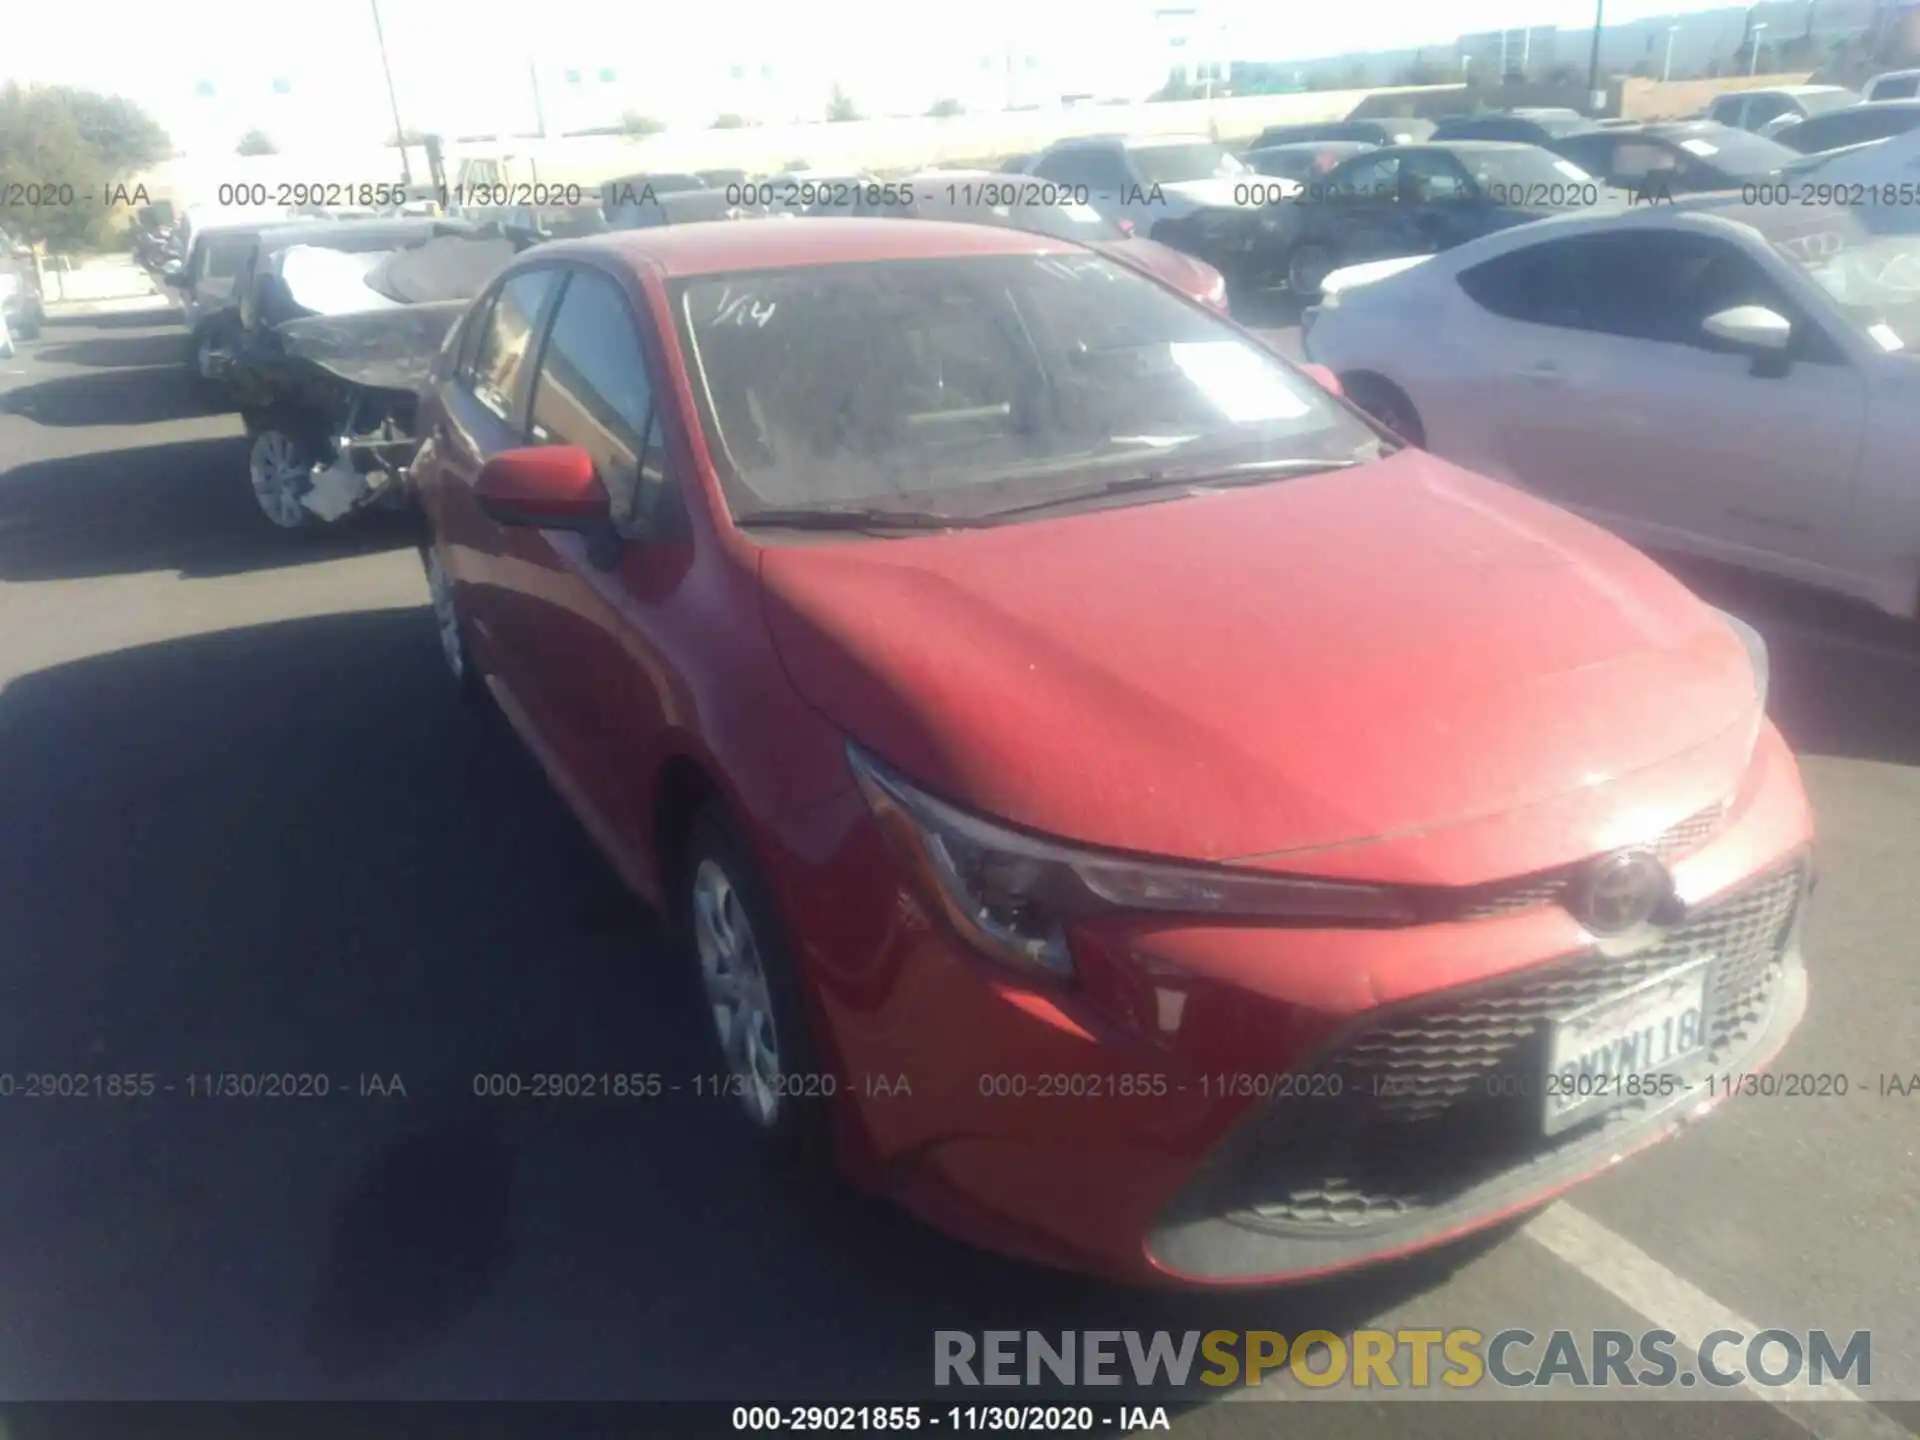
column 77, row 143
column 256, row 142
column 729, row 121
column 840, row 105
column 941, row 109
column 634, row 123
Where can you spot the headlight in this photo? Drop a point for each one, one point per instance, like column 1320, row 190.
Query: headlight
column 1756, row 648
column 1011, row 895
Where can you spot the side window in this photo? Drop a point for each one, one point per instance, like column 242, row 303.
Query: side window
column 593, row 391
column 1372, row 177
column 1729, row 110
column 1537, row 285
column 1065, row 167
column 1762, row 108
column 1906, row 87
column 1432, row 176
column 505, row 338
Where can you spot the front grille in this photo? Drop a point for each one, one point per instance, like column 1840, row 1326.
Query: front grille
column 1425, row 1111
column 1510, row 897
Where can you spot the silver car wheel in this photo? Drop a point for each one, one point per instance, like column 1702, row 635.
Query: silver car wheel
column 737, row 994
column 279, row 475
column 445, row 619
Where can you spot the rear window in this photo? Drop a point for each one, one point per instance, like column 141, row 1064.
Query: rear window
column 961, row 385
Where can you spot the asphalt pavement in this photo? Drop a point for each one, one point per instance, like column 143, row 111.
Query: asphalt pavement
column 245, row 826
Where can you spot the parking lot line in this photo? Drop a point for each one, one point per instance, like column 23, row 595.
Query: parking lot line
column 1628, row 1273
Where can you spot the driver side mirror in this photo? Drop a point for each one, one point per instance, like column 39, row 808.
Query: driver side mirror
column 550, row 487
column 1762, row 333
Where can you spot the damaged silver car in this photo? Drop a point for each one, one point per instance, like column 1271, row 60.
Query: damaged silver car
column 334, row 345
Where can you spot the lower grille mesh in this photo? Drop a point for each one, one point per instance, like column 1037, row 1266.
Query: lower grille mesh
column 1420, row 1116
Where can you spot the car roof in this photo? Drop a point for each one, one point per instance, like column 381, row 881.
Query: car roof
column 1450, row 146
column 1317, row 147
column 1877, row 106
column 1784, row 90
column 397, row 229
column 722, row 246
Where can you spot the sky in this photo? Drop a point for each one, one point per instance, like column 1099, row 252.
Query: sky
column 313, row 68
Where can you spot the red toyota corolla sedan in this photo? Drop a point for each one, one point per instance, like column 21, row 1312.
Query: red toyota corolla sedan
column 1121, row 802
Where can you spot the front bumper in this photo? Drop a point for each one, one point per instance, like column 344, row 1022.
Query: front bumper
column 1109, row 1127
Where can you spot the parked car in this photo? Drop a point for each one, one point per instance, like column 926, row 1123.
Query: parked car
column 1677, row 157
column 720, row 179
column 333, row 348
column 1427, row 784
column 1183, row 191
column 1020, row 202
column 1392, row 130
column 1522, row 127
column 1304, row 161
column 256, row 297
column 1418, row 199
column 204, row 284
column 1781, row 105
column 22, row 310
column 1894, row 85
column 1878, row 164
column 1855, row 125
column 1736, row 381
column 677, row 207
column 643, row 185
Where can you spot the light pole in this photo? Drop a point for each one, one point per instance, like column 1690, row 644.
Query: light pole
column 1596, row 97
column 1753, row 52
column 399, row 132
column 1666, row 66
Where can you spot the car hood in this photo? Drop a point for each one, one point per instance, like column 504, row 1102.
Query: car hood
column 1171, row 267
column 1279, row 668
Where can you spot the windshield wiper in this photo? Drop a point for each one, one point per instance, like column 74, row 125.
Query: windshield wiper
column 847, row 517
column 1253, row 473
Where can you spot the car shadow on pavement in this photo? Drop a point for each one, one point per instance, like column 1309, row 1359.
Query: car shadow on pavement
column 184, row 506
column 288, row 850
column 151, row 395
column 1846, row 677
column 120, row 351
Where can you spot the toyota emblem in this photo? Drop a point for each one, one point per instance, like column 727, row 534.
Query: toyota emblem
column 1622, row 892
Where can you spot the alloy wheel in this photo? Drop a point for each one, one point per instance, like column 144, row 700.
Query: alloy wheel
column 735, row 979
column 278, row 470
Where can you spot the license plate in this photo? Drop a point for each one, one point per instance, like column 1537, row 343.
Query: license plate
column 1597, row 1056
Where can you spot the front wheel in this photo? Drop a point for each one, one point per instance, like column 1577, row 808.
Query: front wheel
column 751, row 988
column 279, row 465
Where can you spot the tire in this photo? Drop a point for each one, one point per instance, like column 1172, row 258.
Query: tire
column 279, row 454
column 454, row 649
column 722, row 893
column 1387, row 403
column 1308, row 265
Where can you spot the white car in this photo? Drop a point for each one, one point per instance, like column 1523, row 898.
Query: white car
column 1735, row 381
column 1877, row 163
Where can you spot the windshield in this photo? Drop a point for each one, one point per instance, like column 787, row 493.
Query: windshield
column 1520, row 167
column 1176, row 164
column 963, row 387
column 1867, row 261
column 1737, row 152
